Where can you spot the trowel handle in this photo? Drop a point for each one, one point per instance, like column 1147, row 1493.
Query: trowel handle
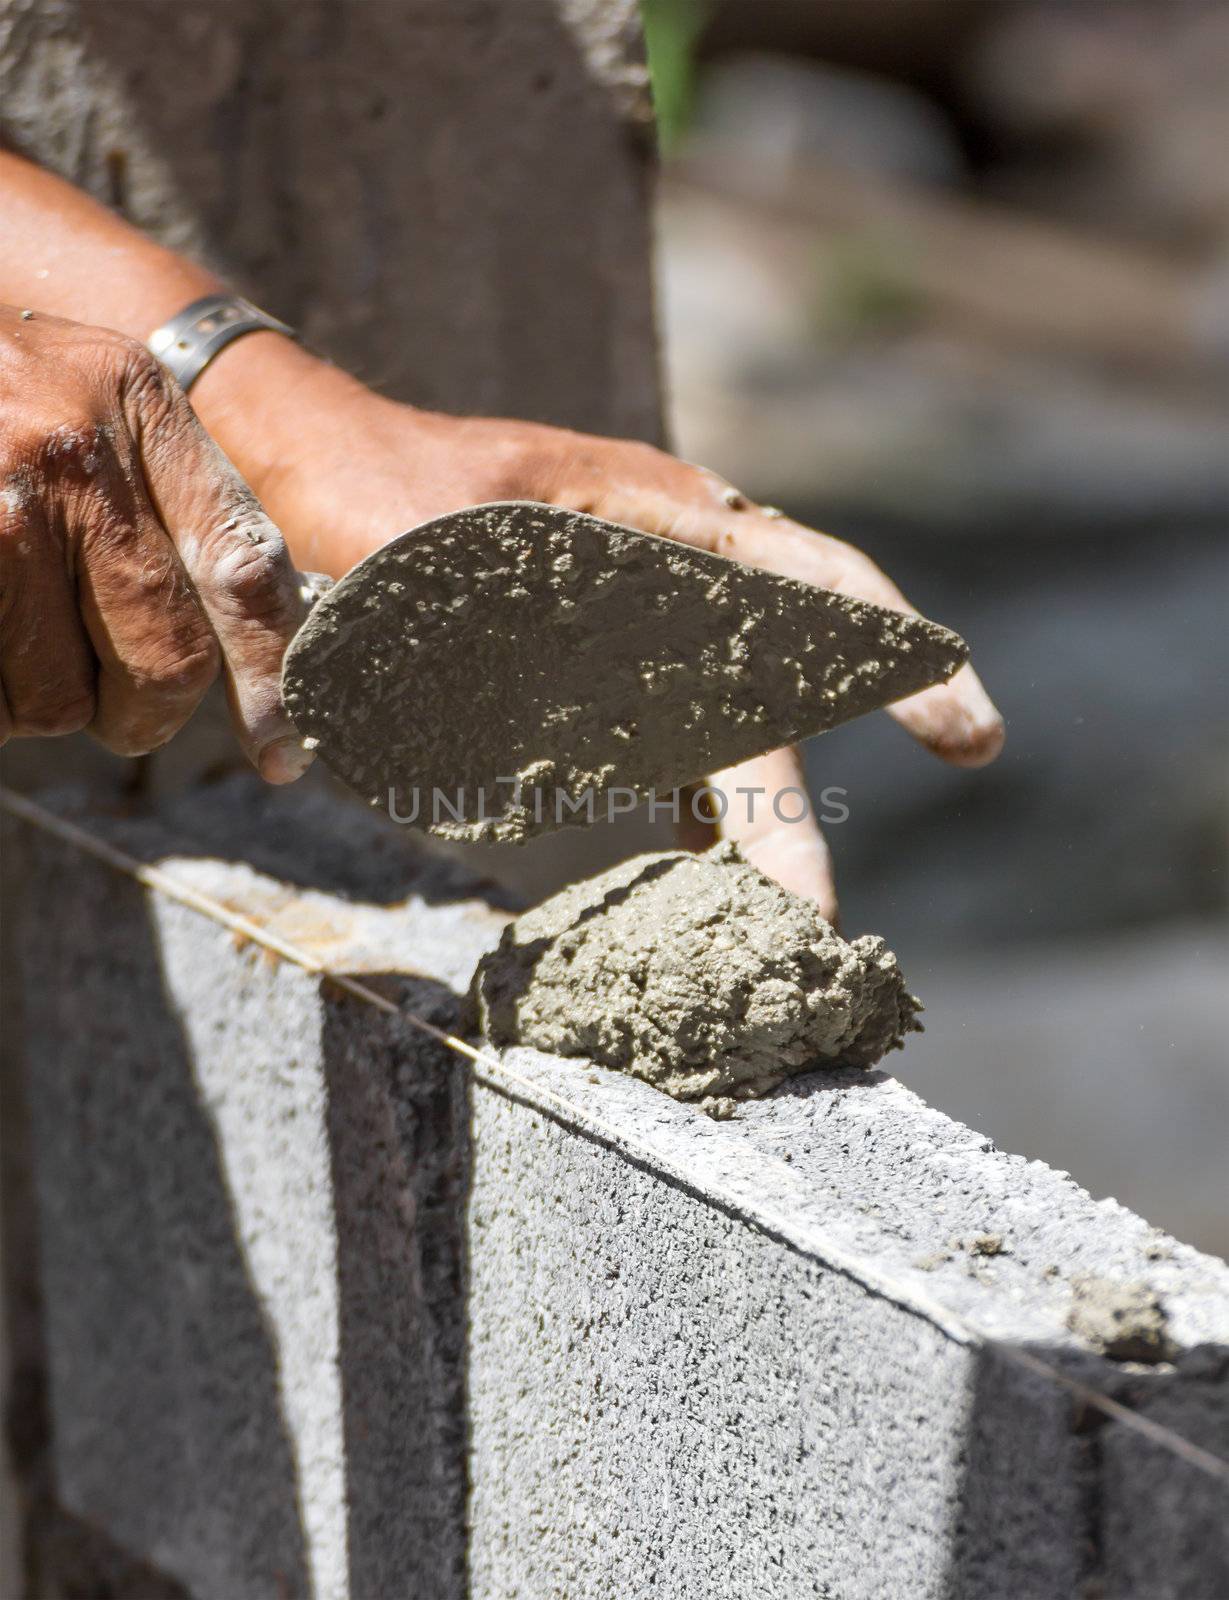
column 313, row 586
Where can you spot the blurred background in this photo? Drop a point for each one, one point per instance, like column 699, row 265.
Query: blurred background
column 950, row 278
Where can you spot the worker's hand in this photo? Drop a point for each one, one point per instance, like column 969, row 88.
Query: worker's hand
column 135, row 563
column 343, row 470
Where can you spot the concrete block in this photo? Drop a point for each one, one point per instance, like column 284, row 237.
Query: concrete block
column 449, row 197
column 334, row 1312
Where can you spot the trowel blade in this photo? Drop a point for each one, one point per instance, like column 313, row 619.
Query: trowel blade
column 502, row 670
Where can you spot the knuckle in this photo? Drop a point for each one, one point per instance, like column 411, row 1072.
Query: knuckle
column 19, row 501
column 76, row 449
column 511, row 459
column 97, row 354
column 136, row 364
column 647, row 454
column 54, row 714
column 107, row 539
column 135, row 739
column 252, row 577
column 144, row 380
column 182, row 668
column 155, row 584
column 160, row 692
column 635, row 456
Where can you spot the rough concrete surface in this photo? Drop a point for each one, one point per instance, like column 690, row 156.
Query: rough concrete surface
column 521, row 661
column 384, row 177
column 696, row 973
column 1126, row 1320
column 480, row 244
column 335, row 1312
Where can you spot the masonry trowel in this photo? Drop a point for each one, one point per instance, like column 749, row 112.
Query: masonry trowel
column 509, row 668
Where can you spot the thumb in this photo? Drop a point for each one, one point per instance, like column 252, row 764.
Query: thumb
column 236, row 559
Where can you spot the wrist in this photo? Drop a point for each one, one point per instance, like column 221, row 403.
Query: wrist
column 257, row 397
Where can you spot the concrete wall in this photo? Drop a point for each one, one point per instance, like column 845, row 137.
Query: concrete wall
column 447, row 196
column 331, row 1311
column 325, row 1312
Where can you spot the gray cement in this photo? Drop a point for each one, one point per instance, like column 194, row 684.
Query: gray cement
column 1125, row 1320
column 696, row 973
column 522, row 661
column 334, row 1312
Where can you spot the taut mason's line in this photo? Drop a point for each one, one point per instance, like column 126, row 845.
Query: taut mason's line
column 871, row 1279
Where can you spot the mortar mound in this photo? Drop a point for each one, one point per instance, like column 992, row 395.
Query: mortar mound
column 696, row 973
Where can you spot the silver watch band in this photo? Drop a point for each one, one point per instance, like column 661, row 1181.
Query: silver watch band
column 189, row 340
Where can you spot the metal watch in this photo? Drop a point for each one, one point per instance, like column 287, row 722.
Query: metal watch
column 188, row 341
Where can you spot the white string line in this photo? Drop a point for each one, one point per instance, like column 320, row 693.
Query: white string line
column 948, row 1322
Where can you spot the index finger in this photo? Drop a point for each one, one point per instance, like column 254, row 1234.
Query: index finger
column 236, row 559
column 783, row 841
column 956, row 720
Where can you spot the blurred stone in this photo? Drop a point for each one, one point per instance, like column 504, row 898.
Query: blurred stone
column 916, row 42
column 781, row 108
column 828, row 382
column 1114, row 115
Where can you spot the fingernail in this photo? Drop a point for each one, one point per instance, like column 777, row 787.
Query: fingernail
column 284, row 760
